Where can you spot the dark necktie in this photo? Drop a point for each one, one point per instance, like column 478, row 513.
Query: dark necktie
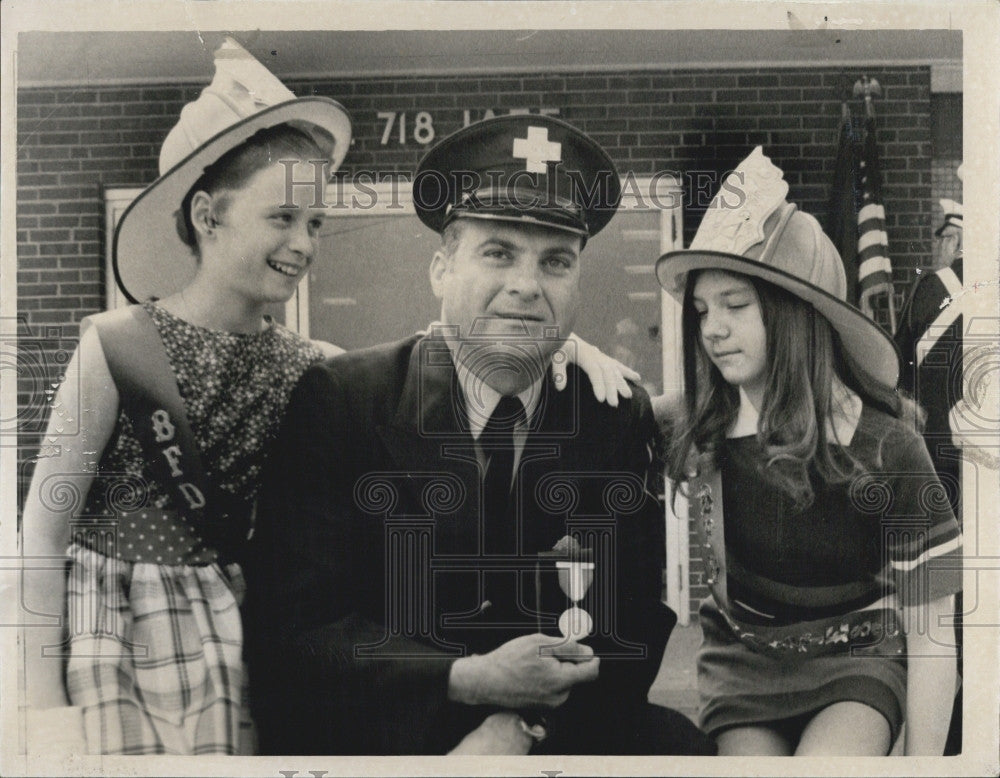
column 497, row 441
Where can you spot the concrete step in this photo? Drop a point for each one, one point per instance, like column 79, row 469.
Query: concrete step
column 676, row 684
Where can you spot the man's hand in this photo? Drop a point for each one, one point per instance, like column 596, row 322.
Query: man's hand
column 529, row 671
column 500, row 733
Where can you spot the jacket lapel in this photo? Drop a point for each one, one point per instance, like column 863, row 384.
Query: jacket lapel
column 428, row 443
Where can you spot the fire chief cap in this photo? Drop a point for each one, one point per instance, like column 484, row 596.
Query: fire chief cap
column 522, row 169
column 150, row 255
column 750, row 228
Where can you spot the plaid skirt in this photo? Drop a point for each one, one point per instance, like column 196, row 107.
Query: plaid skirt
column 155, row 657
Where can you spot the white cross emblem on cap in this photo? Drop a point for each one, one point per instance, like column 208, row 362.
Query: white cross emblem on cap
column 537, row 150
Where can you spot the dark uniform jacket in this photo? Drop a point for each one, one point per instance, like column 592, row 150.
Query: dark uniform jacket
column 936, row 383
column 366, row 582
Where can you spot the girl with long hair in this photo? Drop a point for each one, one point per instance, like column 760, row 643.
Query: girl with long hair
column 825, row 533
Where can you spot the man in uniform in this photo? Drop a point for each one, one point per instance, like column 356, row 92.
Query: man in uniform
column 453, row 556
column 929, row 338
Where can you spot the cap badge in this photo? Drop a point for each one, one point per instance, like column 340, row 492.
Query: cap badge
column 735, row 218
column 537, row 150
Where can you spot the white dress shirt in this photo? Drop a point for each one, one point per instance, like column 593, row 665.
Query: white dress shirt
column 481, row 400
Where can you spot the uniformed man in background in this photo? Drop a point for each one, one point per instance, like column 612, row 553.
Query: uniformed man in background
column 929, row 338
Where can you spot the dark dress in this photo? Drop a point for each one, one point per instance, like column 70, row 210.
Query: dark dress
column 857, row 549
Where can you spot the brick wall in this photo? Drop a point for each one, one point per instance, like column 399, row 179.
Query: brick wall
column 946, row 150
column 72, row 142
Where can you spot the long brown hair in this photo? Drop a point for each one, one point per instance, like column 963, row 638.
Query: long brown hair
column 804, row 356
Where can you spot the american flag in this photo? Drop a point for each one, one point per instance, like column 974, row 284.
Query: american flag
column 874, row 267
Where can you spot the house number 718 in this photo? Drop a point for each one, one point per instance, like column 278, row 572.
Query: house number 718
column 422, row 131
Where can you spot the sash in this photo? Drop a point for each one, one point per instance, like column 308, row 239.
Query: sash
column 148, row 394
column 945, row 319
column 873, row 629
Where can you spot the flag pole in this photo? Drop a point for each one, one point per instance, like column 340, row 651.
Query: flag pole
column 842, row 208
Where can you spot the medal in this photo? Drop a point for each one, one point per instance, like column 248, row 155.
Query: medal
column 575, row 577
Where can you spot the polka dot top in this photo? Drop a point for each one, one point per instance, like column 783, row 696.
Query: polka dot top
column 235, row 388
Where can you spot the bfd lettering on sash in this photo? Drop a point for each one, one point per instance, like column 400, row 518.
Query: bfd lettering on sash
column 163, row 431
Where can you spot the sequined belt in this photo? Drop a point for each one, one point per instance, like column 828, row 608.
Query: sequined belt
column 868, row 632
